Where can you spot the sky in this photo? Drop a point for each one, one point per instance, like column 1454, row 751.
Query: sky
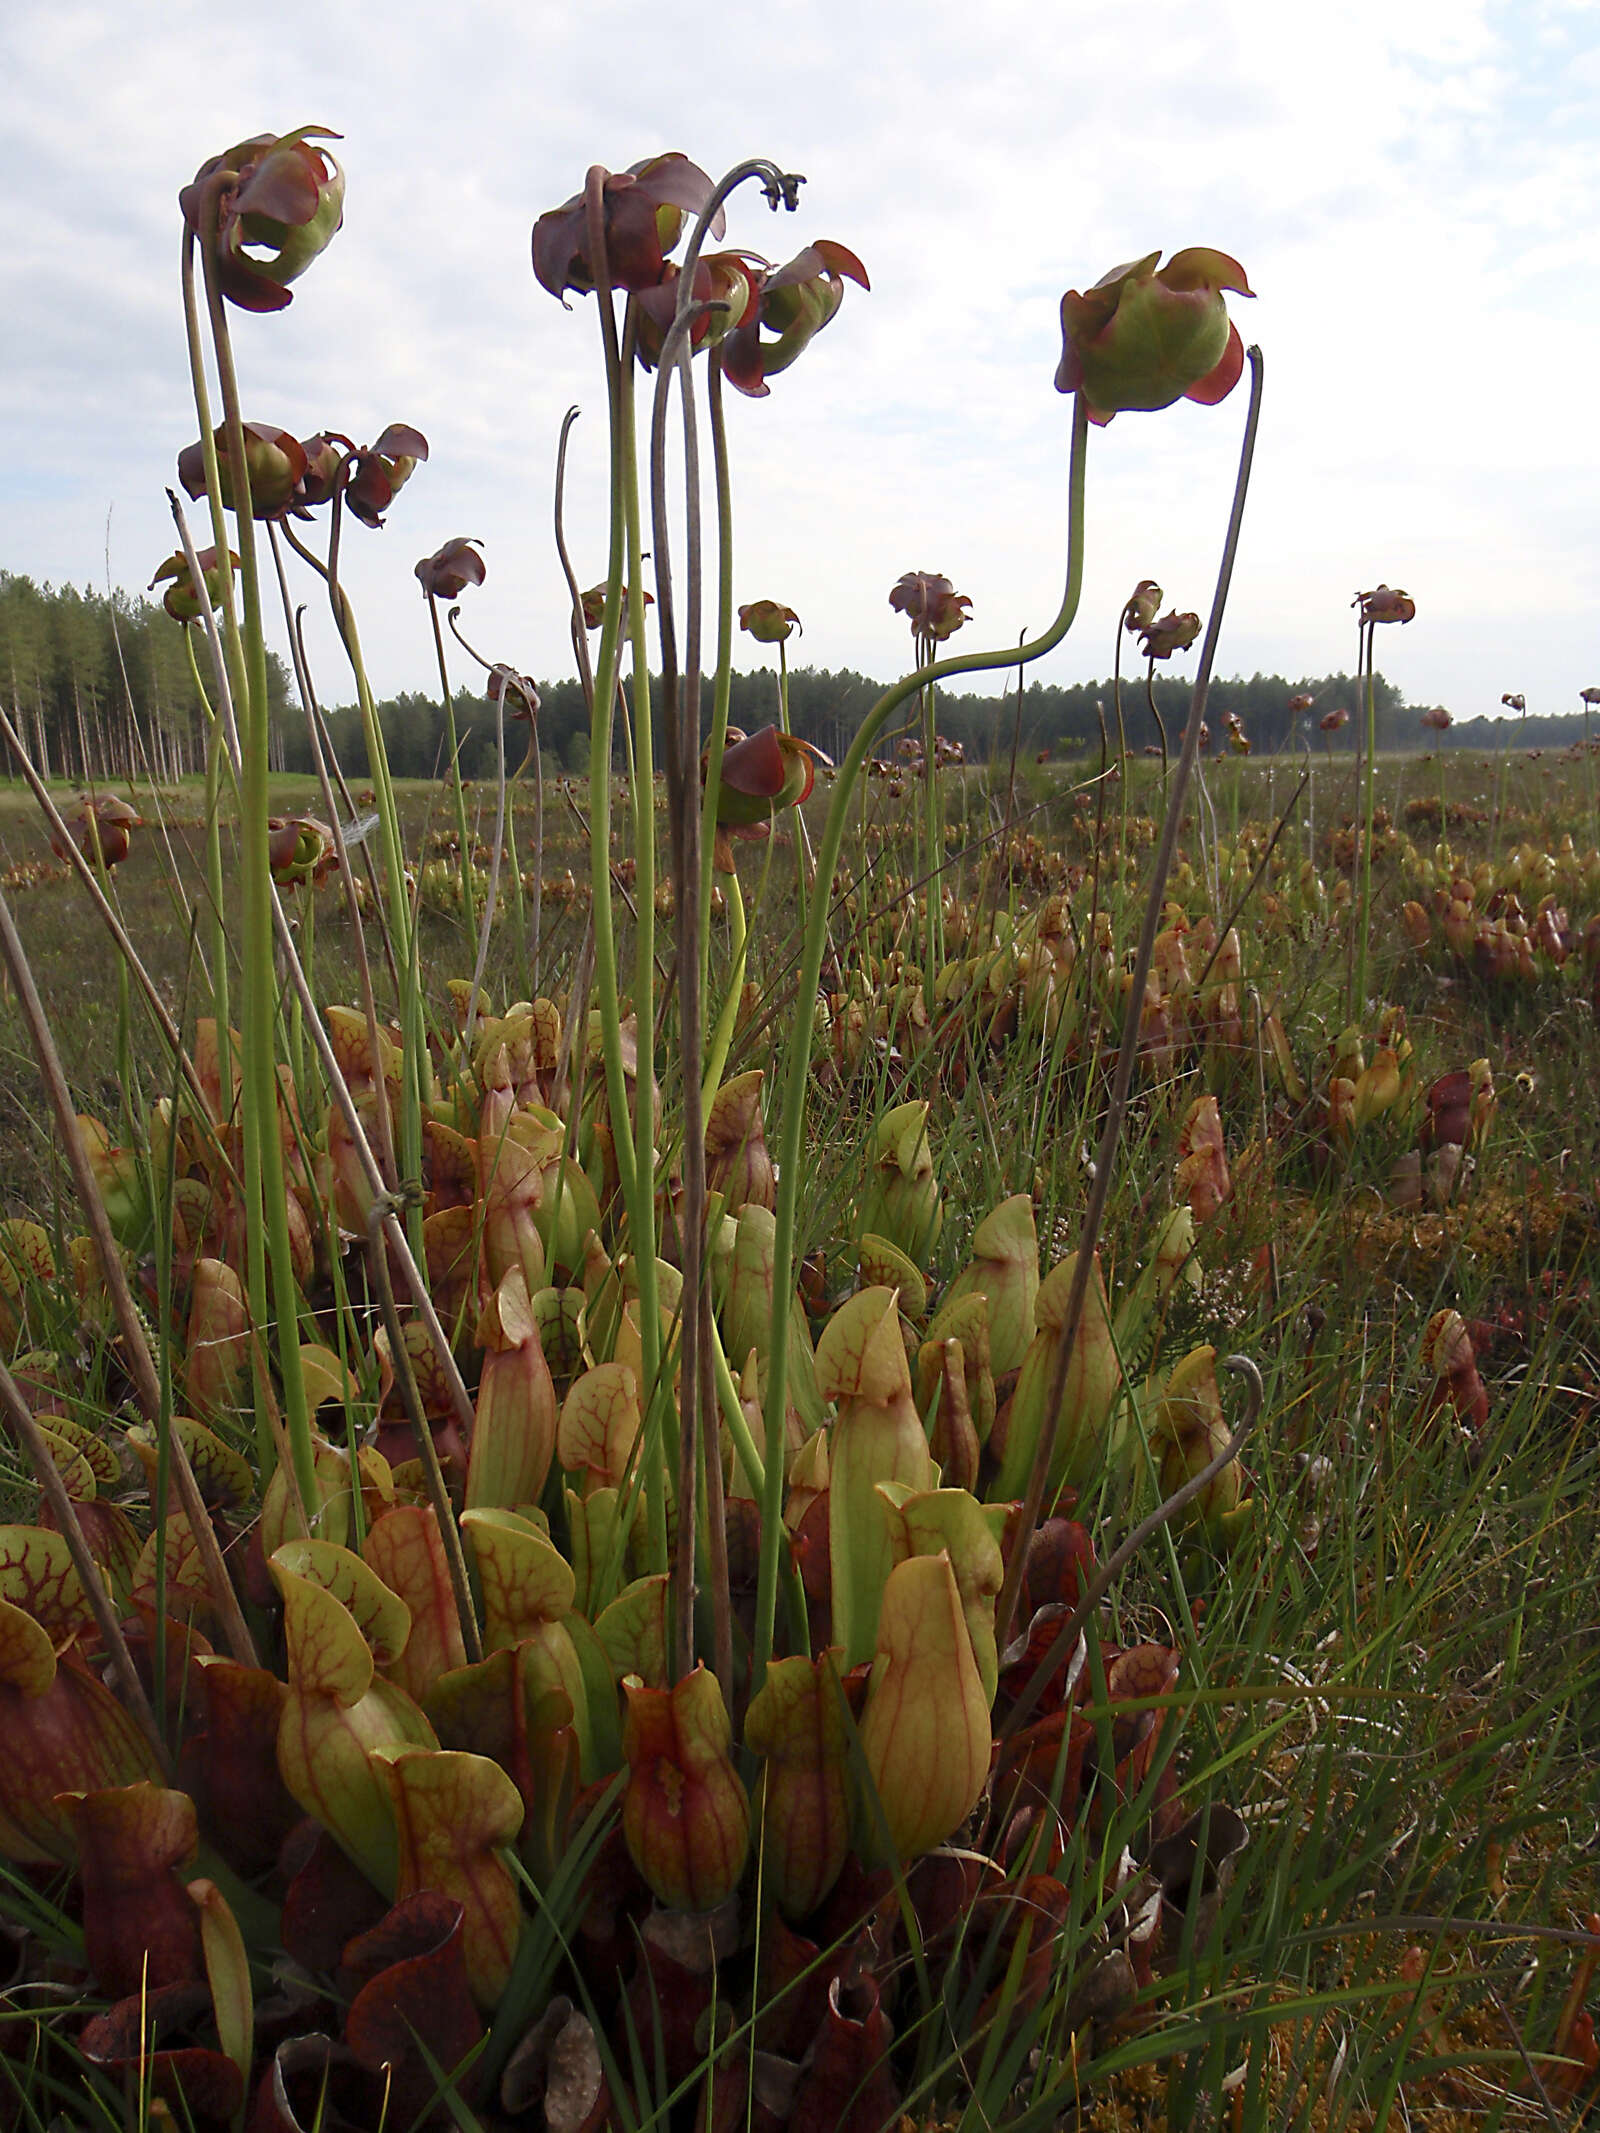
column 1410, row 185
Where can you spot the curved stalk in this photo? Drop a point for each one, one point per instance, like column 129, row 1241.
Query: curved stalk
column 1356, row 1005
column 681, row 720
column 217, row 926
column 336, row 823
column 265, row 1209
column 792, row 1132
column 463, row 844
column 1105, row 1158
column 402, row 920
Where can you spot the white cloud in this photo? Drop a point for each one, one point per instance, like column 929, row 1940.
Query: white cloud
column 1409, row 185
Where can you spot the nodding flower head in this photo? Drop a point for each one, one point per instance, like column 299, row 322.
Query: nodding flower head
column 593, row 604
column 1143, row 605
column 1172, row 633
column 768, row 621
column 1141, row 339
column 179, row 598
column 791, row 305
column 930, row 604
column 278, row 201
column 726, row 286
column 101, row 827
column 379, row 471
column 1385, row 604
column 275, row 466
column 643, row 209
column 447, row 573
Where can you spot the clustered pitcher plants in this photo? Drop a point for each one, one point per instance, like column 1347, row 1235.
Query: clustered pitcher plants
column 558, row 1658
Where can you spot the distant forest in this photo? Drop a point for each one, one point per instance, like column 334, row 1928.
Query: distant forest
column 99, row 686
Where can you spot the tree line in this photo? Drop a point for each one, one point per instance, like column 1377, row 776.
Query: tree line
column 99, row 685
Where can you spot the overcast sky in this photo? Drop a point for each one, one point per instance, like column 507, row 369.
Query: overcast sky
column 1410, row 184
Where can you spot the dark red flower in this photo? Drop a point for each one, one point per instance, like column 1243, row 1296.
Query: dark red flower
column 792, row 304
column 1385, row 604
column 275, row 464
column 644, row 207
column 520, row 695
column 379, row 471
column 593, row 603
column 1144, row 604
column 277, row 210
column 326, row 454
column 1172, row 633
column 447, row 573
column 726, row 285
column 761, row 774
column 930, row 604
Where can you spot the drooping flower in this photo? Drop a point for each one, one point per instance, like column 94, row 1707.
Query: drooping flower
column 1332, row 721
column 379, row 471
column 101, row 827
column 1139, row 339
column 275, row 464
column 521, row 697
column 276, row 211
column 1172, row 633
column 644, row 208
column 326, row 455
column 1515, row 703
column 768, row 621
column 299, row 849
column 593, row 603
column 1385, row 604
column 447, row 573
column 763, row 773
column 930, row 604
column 179, row 598
column 725, row 292
column 1144, row 604
column 791, row 303
column 1438, row 718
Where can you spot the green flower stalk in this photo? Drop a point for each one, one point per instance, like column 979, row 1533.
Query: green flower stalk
column 571, row 250
column 770, row 622
column 212, row 210
column 1382, row 604
column 791, row 1165
column 445, row 575
column 935, row 611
